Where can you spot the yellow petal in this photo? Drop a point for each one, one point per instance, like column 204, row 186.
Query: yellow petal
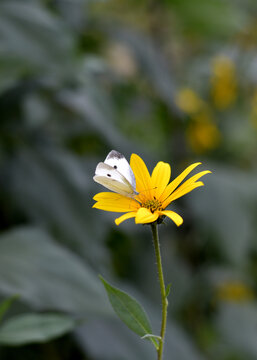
column 122, row 205
column 144, row 216
column 160, row 178
column 186, row 187
column 124, row 217
column 109, row 195
column 178, row 193
column 143, row 179
column 192, row 180
column 175, row 183
column 173, row 216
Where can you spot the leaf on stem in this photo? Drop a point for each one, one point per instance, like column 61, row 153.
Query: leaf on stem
column 129, row 311
column 167, row 292
column 152, row 337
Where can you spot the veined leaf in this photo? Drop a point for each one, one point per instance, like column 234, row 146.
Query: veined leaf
column 129, row 311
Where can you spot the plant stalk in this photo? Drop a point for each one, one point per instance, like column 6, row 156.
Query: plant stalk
column 164, row 299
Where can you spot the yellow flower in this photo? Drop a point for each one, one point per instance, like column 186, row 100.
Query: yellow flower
column 254, row 109
column 202, row 133
column 155, row 193
column 234, row 291
column 224, row 82
column 189, row 101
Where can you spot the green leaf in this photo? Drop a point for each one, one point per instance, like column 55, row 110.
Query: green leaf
column 128, row 310
column 5, row 305
column 29, row 258
column 168, row 290
column 28, row 328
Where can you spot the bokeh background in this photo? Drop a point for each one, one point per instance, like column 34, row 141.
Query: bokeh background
column 172, row 80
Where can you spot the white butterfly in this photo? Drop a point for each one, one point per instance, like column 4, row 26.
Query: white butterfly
column 116, row 174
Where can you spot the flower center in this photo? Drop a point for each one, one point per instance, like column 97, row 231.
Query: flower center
column 152, row 205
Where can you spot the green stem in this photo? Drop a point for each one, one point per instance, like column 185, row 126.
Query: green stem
column 156, row 243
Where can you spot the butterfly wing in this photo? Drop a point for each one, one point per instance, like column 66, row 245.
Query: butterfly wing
column 119, row 163
column 113, row 180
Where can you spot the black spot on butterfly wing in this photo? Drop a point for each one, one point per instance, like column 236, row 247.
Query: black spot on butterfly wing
column 115, row 166
column 109, row 175
column 115, row 154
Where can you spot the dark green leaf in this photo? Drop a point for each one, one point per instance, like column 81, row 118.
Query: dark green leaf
column 128, row 310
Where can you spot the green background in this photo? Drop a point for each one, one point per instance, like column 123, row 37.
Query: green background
column 169, row 80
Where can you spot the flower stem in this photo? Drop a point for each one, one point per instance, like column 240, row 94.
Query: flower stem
column 156, row 243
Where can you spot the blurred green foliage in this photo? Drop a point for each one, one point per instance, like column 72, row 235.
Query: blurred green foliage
column 173, row 81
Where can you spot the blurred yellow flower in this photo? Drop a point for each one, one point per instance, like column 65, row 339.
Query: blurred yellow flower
column 254, row 109
column 189, row 101
column 202, row 133
column 234, row 291
column 223, row 82
column 155, row 193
